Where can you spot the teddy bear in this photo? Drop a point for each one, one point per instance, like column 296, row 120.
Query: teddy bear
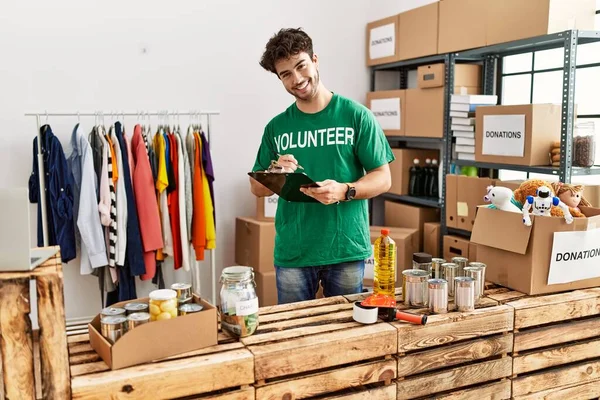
column 529, row 188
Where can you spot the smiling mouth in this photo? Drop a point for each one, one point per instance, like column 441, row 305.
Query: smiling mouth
column 302, row 86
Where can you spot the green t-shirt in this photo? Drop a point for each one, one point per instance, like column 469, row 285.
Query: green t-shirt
column 340, row 142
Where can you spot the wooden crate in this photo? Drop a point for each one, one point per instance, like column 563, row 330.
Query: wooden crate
column 223, row 372
column 501, row 294
column 557, row 345
column 314, row 348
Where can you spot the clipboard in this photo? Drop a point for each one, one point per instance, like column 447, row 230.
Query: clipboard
column 286, row 185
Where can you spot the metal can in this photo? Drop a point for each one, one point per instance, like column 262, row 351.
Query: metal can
column 190, row 308
column 184, row 292
column 131, row 308
column 438, row 296
column 113, row 327
column 483, row 267
column 436, row 268
column 465, row 293
column 477, row 274
column 462, row 262
column 113, row 312
column 136, row 319
column 449, row 272
column 414, row 287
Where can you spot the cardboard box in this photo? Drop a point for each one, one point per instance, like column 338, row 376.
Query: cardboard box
column 431, row 238
column 400, row 168
column 382, row 41
column 418, row 32
column 465, row 75
column 473, row 252
column 461, row 25
column 517, row 135
column 455, row 246
column 255, row 243
column 511, row 184
column 425, row 112
column 592, row 194
column 266, row 288
column 407, row 243
column 406, row 216
column 519, row 257
column 266, row 208
column 158, row 339
column 509, row 20
column 451, row 201
column 389, row 109
column 470, row 192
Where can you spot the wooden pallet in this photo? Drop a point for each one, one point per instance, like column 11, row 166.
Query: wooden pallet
column 557, row 346
column 200, row 374
column 314, row 348
column 501, row 294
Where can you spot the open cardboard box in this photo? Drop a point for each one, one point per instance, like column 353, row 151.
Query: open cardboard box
column 157, row 339
column 519, row 257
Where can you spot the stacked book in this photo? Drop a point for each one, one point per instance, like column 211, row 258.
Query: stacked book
column 462, row 122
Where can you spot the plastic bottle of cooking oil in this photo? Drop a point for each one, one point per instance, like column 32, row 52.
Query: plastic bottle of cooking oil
column 385, row 265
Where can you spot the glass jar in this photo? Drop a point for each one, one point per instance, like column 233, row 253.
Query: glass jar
column 239, row 302
column 163, row 304
column 422, row 261
column 584, row 144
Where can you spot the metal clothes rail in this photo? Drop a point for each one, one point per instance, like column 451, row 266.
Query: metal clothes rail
column 140, row 114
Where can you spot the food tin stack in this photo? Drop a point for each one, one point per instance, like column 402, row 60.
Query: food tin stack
column 185, row 304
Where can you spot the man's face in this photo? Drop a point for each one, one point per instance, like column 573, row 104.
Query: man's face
column 299, row 75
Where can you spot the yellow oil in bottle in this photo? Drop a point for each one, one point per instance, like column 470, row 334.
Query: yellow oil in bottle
column 384, row 274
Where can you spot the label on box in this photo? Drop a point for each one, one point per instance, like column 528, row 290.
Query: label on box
column 271, row 206
column 503, row 135
column 575, row 256
column 387, row 112
column 462, row 209
column 382, row 41
column 246, row 307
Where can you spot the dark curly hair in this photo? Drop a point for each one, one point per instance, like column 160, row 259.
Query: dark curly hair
column 287, row 42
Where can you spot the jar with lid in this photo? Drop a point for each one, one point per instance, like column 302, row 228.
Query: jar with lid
column 163, row 304
column 239, row 302
column 584, row 144
column 422, row 261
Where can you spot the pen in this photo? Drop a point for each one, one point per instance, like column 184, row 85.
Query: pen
column 298, row 165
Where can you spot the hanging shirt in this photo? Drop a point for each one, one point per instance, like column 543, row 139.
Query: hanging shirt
column 162, row 182
column 173, row 199
column 198, row 218
column 145, row 200
column 59, row 195
column 208, row 169
column 121, row 198
column 208, row 208
column 87, row 218
column 183, row 231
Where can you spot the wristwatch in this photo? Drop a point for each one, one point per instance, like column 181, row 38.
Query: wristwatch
column 351, row 192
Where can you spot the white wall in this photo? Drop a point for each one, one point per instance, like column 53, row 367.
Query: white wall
column 146, row 55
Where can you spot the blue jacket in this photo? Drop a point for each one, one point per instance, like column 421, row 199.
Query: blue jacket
column 59, row 195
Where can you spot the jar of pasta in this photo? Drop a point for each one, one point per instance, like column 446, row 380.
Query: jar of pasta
column 163, row 304
column 239, row 302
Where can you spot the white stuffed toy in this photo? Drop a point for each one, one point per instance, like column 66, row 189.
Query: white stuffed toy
column 541, row 205
column 501, row 198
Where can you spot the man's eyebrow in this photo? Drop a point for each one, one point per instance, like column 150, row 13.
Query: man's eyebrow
column 298, row 63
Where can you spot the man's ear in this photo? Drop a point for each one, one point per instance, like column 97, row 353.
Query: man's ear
column 315, row 59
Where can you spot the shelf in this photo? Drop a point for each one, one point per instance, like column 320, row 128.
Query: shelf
column 524, row 168
column 459, row 232
column 421, row 201
column 414, row 139
column 414, row 62
column 536, row 43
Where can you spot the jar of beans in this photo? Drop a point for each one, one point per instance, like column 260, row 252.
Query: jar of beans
column 584, row 144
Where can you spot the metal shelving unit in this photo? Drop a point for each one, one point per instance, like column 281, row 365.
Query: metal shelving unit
column 491, row 59
column 420, row 201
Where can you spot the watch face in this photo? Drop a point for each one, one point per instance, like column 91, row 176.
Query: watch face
column 351, row 193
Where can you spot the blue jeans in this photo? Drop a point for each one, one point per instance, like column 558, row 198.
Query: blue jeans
column 300, row 284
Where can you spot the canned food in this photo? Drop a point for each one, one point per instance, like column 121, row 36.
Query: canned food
column 465, row 293
column 113, row 327
column 131, row 308
column 414, row 287
column 163, row 304
column 192, row 308
column 136, row 319
column 184, row 292
column 113, row 312
column 438, row 296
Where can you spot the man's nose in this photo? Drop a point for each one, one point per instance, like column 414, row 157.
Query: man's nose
column 297, row 78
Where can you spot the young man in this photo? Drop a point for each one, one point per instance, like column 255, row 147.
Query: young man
column 335, row 140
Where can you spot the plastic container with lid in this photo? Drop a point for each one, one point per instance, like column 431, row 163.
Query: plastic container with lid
column 584, row 144
column 384, row 271
column 163, row 304
column 239, row 302
column 423, row 261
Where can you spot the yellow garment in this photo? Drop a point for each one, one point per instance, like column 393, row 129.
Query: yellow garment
column 211, row 235
column 162, row 180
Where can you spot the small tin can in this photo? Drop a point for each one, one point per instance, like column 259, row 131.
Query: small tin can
column 184, row 292
column 462, row 262
column 414, row 287
column 113, row 312
column 483, row 267
column 190, row 308
column 438, row 296
column 436, row 268
column 477, row 274
column 136, row 319
column 131, row 308
column 465, row 293
column 449, row 272
column 113, row 327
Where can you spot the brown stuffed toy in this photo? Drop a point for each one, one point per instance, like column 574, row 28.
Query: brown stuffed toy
column 572, row 196
column 529, row 188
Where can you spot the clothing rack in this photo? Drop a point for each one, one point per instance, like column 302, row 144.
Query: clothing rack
column 100, row 114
